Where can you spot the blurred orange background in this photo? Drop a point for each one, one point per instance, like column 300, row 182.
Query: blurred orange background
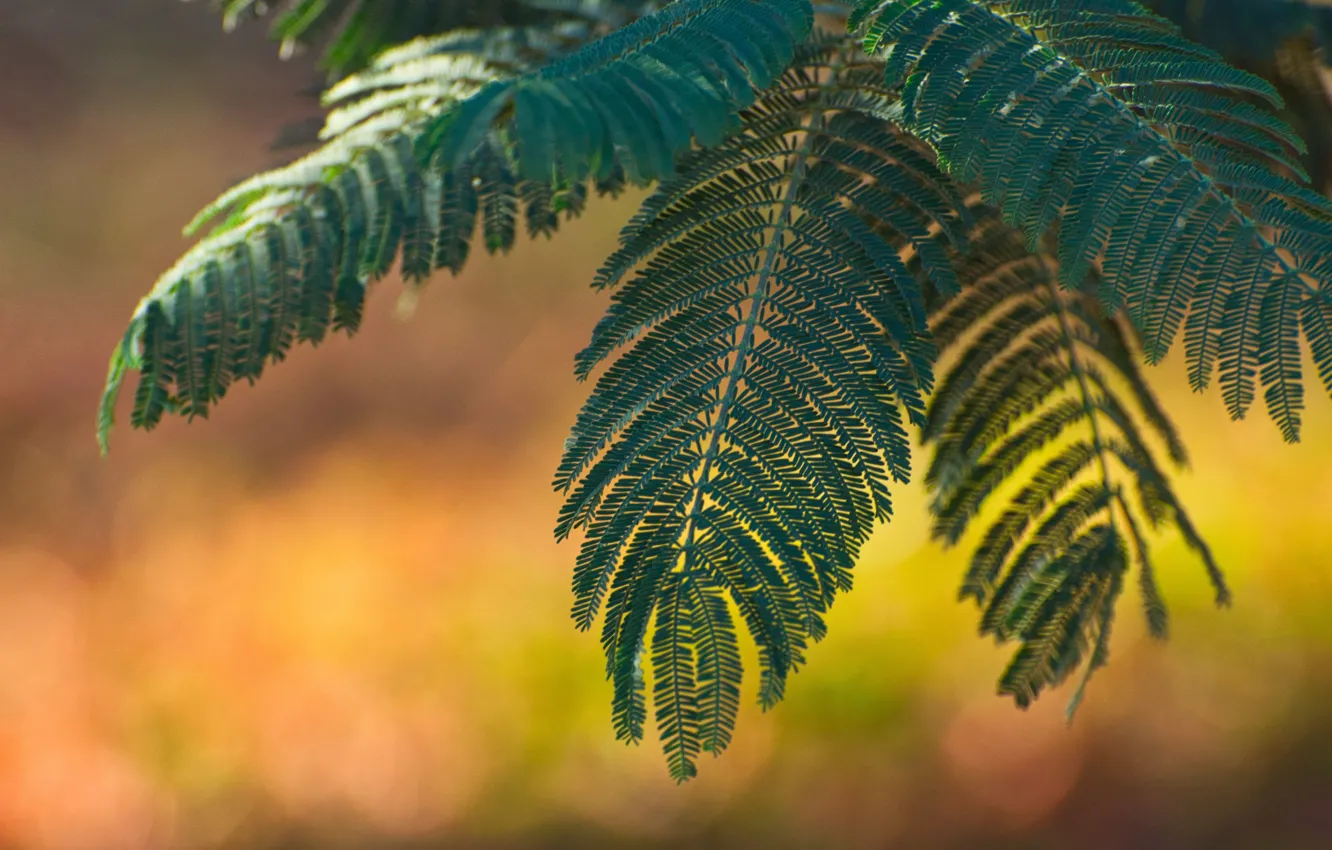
column 333, row 615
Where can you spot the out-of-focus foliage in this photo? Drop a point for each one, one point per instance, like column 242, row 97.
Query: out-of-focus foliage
column 1039, row 379
column 1249, row 30
column 1284, row 41
column 353, row 32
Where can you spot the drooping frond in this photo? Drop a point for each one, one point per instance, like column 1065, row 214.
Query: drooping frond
column 355, row 31
column 1040, row 387
column 298, row 246
column 295, row 248
column 766, row 351
column 1145, row 150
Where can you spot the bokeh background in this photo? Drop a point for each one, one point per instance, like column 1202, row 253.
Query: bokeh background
column 333, row 615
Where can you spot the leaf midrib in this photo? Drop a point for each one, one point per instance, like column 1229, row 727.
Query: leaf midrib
column 736, row 373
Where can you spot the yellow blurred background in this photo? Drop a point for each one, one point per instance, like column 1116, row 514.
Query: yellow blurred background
column 333, row 615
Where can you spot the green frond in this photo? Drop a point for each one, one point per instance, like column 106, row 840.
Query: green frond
column 766, row 351
column 293, row 250
column 636, row 99
column 1041, row 395
column 1154, row 158
column 498, row 127
column 354, row 32
column 1067, row 607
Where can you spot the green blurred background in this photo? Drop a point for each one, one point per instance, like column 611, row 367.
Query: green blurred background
column 333, row 615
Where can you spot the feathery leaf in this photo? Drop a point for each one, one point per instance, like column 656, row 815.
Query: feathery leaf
column 294, row 249
column 636, row 99
column 1030, row 365
column 1145, row 149
column 298, row 246
column 743, row 441
column 1283, row 41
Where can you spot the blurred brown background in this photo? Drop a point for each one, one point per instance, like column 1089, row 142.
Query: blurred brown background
column 333, row 615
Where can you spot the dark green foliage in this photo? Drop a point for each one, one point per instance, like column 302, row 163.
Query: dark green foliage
column 297, row 247
column 1096, row 116
column 1042, row 388
column 743, row 442
column 356, row 30
column 635, row 100
column 1248, row 30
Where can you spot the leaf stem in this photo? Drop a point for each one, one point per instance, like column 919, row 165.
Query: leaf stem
column 762, row 285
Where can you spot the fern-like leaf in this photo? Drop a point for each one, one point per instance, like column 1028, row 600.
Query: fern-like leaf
column 742, row 443
column 635, row 99
column 1041, row 387
column 294, row 249
column 1146, row 151
column 297, row 247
